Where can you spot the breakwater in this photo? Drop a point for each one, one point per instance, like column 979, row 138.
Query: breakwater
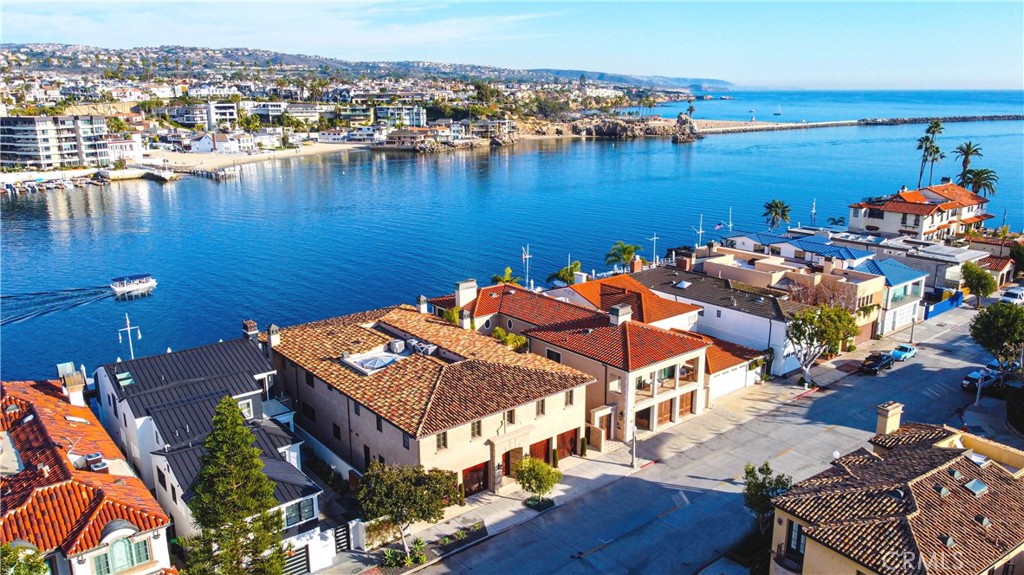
column 711, row 127
column 943, row 119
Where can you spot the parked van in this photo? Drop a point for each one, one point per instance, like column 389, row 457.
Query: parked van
column 1013, row 296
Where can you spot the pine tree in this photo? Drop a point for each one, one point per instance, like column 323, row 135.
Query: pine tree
column 231, row 505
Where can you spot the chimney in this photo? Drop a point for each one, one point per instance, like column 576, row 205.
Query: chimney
column 73, row 385
column 636, row 265
column 421, row 304
column 465, row 319
column 273, row 336
column 251, row 331
column 465, row 292
column 888, row 417
column 621, row 313
column 579, row 277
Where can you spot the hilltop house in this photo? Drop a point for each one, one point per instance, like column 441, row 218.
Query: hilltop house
column 67, row 491
column 400, row 386
column 934, row 212
column 927, row 499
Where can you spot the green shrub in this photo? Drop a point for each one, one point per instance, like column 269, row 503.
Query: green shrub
column 583, row 447
column 392, row 558
column 445, row 540
column 554, row 458
column 535, row 476
column 459, row 535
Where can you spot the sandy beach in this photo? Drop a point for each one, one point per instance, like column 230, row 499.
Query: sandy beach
column 194, row 161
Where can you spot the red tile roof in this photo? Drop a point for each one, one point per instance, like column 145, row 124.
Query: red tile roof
column 980, row 218
column 723, row 354
column 519, row 303
column 908, row 208
column 50, row 503
column 628, row 346
column 995, row 263
column 955, row 193
column 647, row 306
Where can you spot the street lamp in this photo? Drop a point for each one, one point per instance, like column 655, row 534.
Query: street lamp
column 632, row 462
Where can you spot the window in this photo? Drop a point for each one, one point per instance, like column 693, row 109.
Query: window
column 554, row 356
column 700, row 313
column 122, row 555
column 309, row 380
column 917, row 220
column 380, row 424
column 246, row 407
column 161, row 479
column 569, row 397
column 442, row 440
column 405, row 440
column 510, row 324
column 718, row 313
column 298, row 512
column 639, row 382
column 667, row 372
column 336, row 431
column 124, row 418
column 356, row 408
column 615, row 385
column 800, row 254
column 510, row 416
column 308, row 412
column 775, row 250
column 487, row 324
column 795, row 542
column 903, row 220
column 174, row 494
column 476, row 428
column 540, row 408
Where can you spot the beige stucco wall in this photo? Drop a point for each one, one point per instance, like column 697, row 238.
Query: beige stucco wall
column 820, row 560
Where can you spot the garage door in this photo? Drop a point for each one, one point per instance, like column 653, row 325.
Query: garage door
column 865, row 332
column 727, row 382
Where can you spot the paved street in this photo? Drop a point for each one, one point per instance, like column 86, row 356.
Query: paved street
column 682, row 513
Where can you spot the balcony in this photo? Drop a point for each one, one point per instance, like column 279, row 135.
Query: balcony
column 783, row 564
column 659, row 386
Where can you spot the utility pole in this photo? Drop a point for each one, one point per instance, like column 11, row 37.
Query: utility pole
column 128, row 327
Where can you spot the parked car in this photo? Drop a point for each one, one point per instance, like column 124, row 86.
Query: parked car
column 983, row 377
column 903, row 352
column 1014, row 295
column 876, row 362
column 999, row 369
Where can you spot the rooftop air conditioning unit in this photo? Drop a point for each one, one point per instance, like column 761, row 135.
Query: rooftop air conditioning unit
column 93, row 458
column 397, row 346
column 427, row 349
column 100, row 467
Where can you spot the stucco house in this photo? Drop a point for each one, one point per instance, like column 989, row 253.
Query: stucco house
column 904, row 288
column 926, row 499
column 933, row 212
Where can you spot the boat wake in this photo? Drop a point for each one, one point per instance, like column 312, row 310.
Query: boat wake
column 16, row 308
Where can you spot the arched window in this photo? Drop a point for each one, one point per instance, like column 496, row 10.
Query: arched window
column 487, row 324
column 121, row 555
column 510, row 324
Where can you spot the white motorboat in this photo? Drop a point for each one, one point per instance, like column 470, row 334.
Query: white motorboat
column 140, row 284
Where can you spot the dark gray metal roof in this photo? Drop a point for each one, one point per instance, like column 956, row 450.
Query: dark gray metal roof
column 144, row 400
column 720, row 292
column 232, row 356
column 290, row 484
column 275, row 436
column 187, row 421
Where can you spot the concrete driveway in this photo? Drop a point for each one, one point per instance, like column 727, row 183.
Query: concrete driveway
column 685, row 511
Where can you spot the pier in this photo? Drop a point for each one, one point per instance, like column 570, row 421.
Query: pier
column 711, row 127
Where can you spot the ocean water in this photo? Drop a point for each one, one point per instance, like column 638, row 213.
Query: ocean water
column 305, row 238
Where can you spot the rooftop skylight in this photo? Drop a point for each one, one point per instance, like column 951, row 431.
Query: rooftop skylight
column 977, row 487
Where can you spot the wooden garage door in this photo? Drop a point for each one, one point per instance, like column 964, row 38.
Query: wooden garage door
column 686, row 404
column 541, row 450
column 665, row 412
column 567, row 443
column 475, row 478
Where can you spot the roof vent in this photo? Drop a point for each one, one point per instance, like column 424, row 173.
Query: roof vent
column 947, row 540
column 977, row 487
column 955, row 474
column 941, row 490
column 100, row 467
column 588, row 331
column 494, row 295
column 896, row 494
column 983, row 521
column 511, row 292
column 11, row 408
column 759, row 299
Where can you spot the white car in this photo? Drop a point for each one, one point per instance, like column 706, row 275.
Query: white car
column 1014, row 296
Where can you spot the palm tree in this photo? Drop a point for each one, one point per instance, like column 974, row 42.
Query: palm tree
column 690, row 110
column 965, row 152
column 934, row 155
column 775, row 213
column 506, row 278
column 622, row 253
column 567, row 274
column 925, row 143
column 840, row 221
column 981, row 181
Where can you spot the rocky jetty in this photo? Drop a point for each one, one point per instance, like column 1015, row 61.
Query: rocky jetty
column 681, row 130
column 504, row 140
column 947, row 119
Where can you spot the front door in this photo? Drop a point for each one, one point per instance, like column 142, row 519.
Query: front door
column 643, row 419
column 541, row 450
column 366, row 458
column 475, row 479
column 664, row 412
column 567, row 443
column 686, row 404
column 605, row 423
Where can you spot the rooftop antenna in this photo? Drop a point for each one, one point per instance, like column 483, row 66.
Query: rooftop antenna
column 730, row 220
column 526, row 262
column 814, row 211
column 699, row 231
column 128, row 327
column 655, row 240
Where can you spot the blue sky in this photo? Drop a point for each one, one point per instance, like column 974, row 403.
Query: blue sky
column 833, row 45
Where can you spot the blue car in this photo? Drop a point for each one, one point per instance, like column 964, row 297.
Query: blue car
column 903, row 352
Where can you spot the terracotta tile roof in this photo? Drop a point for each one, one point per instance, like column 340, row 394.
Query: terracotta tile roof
column 908, row 208
column 424, row 394
column 519, row 303
column 628, row 346
column 995, row 263
column 955, row 193
column 910, row 433
column 993, row 241
column 50, row 503
column 913, row 196
column 723, row 354
column 870, row 507
column 647, row 306
column 981, row 218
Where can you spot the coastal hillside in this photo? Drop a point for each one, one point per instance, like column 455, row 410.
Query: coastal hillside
column 79, row 58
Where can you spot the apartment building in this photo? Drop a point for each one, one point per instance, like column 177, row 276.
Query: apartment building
column 68, row 493
column 401, row 386
column 53, row 142
column 405, row 116
column 926, row 499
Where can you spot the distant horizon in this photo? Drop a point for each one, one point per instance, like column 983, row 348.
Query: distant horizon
column 762, row 45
